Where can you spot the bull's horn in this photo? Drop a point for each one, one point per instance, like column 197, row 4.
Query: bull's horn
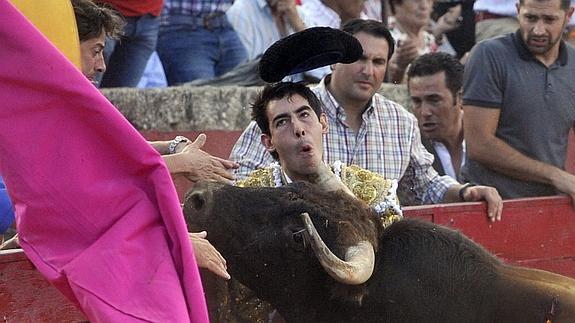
column 359, row 259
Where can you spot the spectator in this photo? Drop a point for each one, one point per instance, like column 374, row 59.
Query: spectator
column 435, row 84
column 569, row 35
column 127, row 58
column 518, row 104
column 260, row 23
column 329, row 13
column 332, row 13
column 196, row 41
column 408, row 26
column 373, row 9
column 462, row 38
column 366, row 129
column 94, row 24
column 494, row 18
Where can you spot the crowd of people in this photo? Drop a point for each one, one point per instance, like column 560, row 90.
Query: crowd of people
column 171, row 42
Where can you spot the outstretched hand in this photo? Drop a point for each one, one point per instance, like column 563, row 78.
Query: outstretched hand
column 207, row 256
column 203, row 166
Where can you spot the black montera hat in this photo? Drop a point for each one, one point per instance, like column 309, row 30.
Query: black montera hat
column 306, row 50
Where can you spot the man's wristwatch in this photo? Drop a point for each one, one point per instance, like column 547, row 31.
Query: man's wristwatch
column 464, row 188
column 174, row 143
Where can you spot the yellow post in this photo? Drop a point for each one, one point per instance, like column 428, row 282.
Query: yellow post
column 56, row 20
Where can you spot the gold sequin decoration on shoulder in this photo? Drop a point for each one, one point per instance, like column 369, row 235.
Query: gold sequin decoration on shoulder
column 373, row 189
column 262, row 177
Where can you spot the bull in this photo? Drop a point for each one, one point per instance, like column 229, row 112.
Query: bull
column 324, row 257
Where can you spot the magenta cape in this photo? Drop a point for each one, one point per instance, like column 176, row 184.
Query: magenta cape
column 96, row 209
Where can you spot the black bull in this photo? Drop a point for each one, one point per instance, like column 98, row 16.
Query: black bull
column 423, row 272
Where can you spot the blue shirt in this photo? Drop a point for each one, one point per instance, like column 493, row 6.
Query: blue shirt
column 6, row 208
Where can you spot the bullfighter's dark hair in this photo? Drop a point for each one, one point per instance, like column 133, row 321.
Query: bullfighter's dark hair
column 433, row 63
column 371, row 27
column 92, row 19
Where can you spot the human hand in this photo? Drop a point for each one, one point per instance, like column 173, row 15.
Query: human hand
column 488, row 194
column 451, row 20
column 12, row 243
column 564, row 182
column 201, row 165
column 285, row 7
column 406, row 52
column 207, row 256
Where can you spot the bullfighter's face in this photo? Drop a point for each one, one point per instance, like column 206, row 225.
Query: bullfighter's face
column 296, row 136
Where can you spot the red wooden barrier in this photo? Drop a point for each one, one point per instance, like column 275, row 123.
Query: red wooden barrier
column 536, row 232
column 26, row 297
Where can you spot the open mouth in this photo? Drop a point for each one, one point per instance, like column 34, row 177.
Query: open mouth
column 94, row 82
column 538, row 41
column 428, row 126
column 305, row 148
column 364, row 83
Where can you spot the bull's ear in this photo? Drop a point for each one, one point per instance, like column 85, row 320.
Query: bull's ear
column 196, row 200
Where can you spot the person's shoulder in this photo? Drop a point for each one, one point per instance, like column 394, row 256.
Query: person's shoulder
column 391, row 108
column 263, row 177
column 375, row 190
column 252, row 130
column 238, row 8
column 570, row 49
column 369, row 186
column 500, row 43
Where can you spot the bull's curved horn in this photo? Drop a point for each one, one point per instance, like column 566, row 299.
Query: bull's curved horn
column 359, row 259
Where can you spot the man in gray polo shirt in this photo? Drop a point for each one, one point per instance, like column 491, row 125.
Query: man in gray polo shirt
column 519, row 105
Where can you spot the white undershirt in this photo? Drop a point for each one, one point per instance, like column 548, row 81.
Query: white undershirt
column 445, row 158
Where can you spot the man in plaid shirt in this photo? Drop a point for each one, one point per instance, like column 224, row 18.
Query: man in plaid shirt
column 368, row 130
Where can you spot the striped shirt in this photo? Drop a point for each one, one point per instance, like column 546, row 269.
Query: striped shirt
column 198, row 8
column 388, row 142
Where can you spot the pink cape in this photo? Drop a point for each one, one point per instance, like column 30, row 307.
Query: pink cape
column 97, row 211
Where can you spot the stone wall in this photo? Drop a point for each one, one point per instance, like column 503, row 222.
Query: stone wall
column 197, row 108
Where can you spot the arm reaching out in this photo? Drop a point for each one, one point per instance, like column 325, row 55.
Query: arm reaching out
column 207, row 256
column 483, row 146
column 196, row 164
